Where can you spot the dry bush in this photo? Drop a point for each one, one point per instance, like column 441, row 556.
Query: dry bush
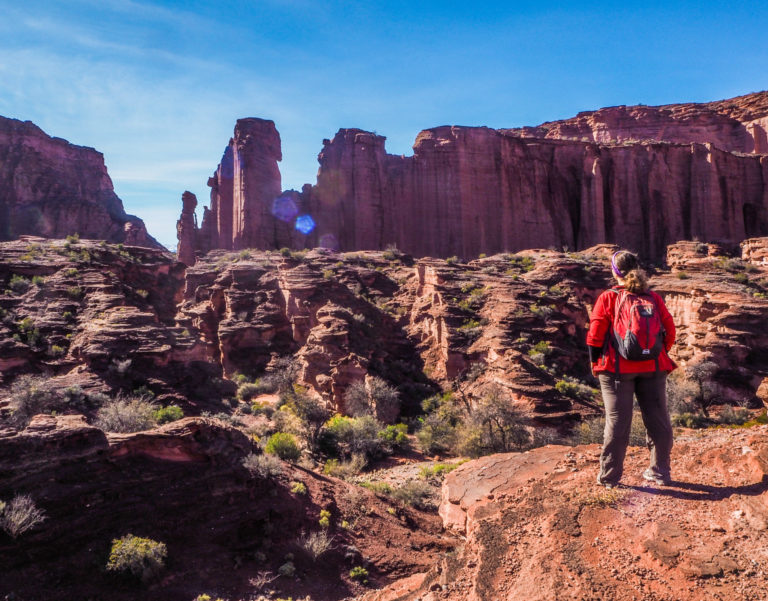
column 415, row 493
column 20, row 515
column 315, row 544
column 263, row 466
column 591, row 431
column 29, row 396
column 126, row 414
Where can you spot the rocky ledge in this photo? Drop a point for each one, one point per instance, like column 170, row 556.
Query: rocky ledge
column 538, row 527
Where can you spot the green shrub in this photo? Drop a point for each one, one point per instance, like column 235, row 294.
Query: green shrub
column 298, row 488
column 682, row 275
column 690, row 420
column 345, row 469
column 171, row 413
column 741, row 278
column 19, row 284
column 395, row 437
column 439, row 470
column 452, row 260
column 38, row 280
column 19, row 515
column 73, row 238
column 284, row 446
column 346, row 437
column 574, row 389
column 493, row 426
column 142, row 557
column 263, row 466
column 325, row 518
column 142, row 293
column 734, row 417
column 437, row 434
column 57, row 351
column 359, row 573
column 287, row 569
column 74, row 292
column 126, row 414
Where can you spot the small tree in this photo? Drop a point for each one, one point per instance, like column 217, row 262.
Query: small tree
column 494, row 426
column 312, row 414
column 701, row 373
column 373, row 397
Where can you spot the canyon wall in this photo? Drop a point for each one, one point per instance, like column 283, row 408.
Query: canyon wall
column 737, row 124
column 644, row 178
column 51, row 188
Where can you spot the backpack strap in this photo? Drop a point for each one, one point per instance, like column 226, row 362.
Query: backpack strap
column 609, row 334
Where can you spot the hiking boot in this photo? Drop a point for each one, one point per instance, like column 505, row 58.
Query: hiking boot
column 652, row 477
column 608, row 485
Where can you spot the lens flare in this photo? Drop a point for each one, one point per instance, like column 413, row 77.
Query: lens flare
column 329, row 241
column 305, row 224
column 284, row 208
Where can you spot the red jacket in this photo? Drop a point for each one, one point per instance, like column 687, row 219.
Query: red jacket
column 602, row 321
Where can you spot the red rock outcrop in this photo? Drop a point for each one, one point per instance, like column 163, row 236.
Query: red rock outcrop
column 737, row 124
column 538, row 527
column 186, row 230
column 51, row 188
column 468, row 191
column 644, row 177
column 120, row 319
column 184, row 485
column 243, row 189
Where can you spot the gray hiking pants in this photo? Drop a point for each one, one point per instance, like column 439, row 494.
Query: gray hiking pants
column 650, row 389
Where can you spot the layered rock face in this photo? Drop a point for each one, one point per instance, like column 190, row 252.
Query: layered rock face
column 184, row 485
column 109, row 319
column 737, row 124
column 468, row 191
column 243, row 189
column 643, row 177
column 51, row 188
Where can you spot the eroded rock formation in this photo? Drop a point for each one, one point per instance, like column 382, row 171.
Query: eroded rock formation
column 644, row 177
column 51, row 188
column 184, row 485
column 243, row 189
column 108, row 319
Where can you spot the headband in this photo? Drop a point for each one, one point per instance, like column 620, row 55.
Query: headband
column 613, row 265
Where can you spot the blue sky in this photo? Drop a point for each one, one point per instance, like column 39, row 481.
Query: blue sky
column 157, row 86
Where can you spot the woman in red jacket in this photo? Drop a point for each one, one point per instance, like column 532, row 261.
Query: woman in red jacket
column 628, row 323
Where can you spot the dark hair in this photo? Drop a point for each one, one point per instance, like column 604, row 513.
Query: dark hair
column 635, row 279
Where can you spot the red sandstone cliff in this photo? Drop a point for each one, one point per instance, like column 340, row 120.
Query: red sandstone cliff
column 243, row 188
column 737, row 124
column 51, row 188
column 468, row 191
column 472, row 190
